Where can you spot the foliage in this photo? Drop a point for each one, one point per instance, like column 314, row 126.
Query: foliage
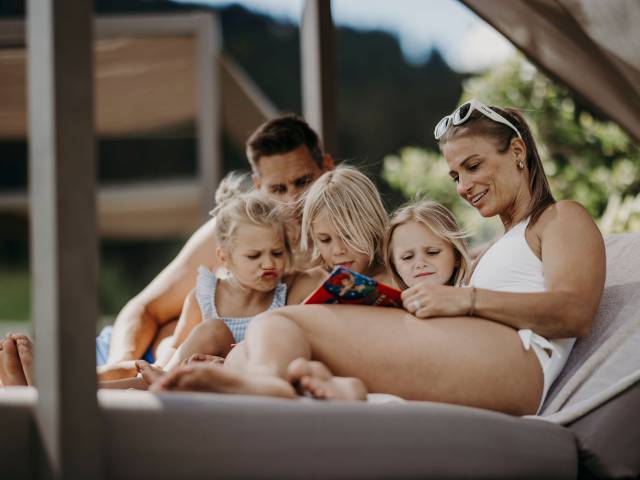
column 587, row 159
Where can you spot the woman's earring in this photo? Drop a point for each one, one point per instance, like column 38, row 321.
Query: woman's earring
column 520, row 164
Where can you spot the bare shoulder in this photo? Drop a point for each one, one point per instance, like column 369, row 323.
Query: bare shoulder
column 565, row 211
column 564, row 216
column 568, row 225
column 303, row 283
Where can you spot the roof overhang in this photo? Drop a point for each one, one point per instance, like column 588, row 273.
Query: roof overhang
column 591, row 46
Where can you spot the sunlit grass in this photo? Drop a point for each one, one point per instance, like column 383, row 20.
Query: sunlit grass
column 15, row 295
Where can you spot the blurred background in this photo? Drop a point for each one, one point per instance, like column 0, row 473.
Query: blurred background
column 401, row 66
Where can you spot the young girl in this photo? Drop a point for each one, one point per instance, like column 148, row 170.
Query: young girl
column 422, row 246
column 343, row 223
column 425, row 245
column 254, row 251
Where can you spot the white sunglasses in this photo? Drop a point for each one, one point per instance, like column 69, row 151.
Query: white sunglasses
column 462, row 114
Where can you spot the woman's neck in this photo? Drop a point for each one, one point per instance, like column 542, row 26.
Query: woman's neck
column 517, row 211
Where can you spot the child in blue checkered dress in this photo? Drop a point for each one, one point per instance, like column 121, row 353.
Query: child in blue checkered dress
column 254, row 252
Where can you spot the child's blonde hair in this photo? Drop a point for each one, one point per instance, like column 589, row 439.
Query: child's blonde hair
column 441, row 221
column 236, row 207
column 353, row 207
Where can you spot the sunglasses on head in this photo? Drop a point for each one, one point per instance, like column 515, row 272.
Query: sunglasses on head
column 462, row 114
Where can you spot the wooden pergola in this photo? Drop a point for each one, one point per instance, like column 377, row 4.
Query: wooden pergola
column 151, row 74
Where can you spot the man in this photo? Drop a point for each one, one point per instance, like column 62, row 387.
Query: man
column 286, row 157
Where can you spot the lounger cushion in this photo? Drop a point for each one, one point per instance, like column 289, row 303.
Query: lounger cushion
column 191, row 435
column 609, row 438
column 17, row 433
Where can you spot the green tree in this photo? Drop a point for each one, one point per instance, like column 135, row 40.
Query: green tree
column 586, row 158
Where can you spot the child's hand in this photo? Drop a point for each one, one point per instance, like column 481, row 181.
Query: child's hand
column 427, row 301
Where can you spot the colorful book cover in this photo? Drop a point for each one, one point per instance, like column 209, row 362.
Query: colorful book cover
column 346, row 286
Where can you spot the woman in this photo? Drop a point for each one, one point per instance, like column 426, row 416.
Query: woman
column 472, row 346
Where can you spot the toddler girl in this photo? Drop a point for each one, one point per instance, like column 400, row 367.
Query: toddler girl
column 254, row 251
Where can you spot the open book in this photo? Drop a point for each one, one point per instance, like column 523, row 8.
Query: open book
column 346, row 286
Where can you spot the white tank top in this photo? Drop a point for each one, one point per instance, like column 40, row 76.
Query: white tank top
column 509, row 265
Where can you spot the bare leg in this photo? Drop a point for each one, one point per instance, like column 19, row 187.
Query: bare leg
column 467, row 361
column 237, row 358
column 117, row 371
column 211, row 337
column 215, row 378
column 11, row 373
column 135, row 383
column 316, row 379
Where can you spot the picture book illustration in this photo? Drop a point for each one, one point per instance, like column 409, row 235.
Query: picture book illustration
column 348, row 287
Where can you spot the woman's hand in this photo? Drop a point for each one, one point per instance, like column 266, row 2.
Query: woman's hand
column 425, row 301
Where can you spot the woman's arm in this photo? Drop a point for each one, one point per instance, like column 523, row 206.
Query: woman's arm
column 161, row 301
column 573, row 259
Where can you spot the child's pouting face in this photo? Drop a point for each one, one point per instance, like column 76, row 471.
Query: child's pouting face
column 257, row 257
column 419, row 255
column 333, row 250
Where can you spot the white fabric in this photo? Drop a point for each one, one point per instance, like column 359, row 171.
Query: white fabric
column 509, row 265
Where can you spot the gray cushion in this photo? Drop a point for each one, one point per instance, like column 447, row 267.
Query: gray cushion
column 197, row 435
column 609, row 438
column 17, row 433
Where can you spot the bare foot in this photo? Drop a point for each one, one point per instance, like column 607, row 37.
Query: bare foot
column 150, row 373
column 316, row 379
column 117, row 371
column 204, row 358
column 214, row 378
column 10, row 366
column 25, row 352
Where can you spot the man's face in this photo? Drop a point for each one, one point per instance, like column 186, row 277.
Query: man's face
column 285, row 176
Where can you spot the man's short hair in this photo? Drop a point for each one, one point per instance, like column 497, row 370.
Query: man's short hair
column 282, row 135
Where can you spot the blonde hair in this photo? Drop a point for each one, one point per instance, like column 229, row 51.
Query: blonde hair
column 236, row 207
column 441, row 221
column 353, row 207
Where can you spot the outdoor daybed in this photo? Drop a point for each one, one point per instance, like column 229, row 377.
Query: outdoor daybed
column 590, row 426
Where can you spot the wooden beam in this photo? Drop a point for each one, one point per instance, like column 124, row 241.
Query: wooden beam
column 244, row 106
column 208, row 42
column 319, row 81
column 63, row 235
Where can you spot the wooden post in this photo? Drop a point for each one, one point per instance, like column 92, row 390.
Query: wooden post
column 63, row 235
column 208, row 109
column 319, row 78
